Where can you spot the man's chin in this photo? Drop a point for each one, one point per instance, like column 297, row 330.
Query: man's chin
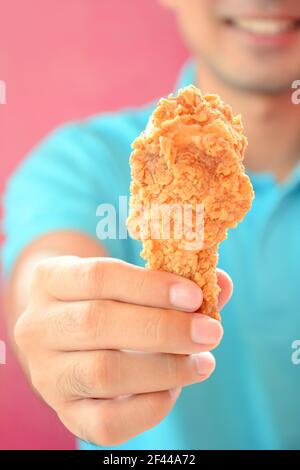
column 272, row 82
column 262, row 87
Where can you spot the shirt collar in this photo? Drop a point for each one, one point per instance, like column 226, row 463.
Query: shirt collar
column 261, row 180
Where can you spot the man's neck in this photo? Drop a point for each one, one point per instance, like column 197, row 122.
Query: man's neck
column 271, row 123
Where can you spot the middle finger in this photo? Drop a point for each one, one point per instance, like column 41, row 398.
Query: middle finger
column 108, row 324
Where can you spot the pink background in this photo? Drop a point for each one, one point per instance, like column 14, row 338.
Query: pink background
column 64, row 59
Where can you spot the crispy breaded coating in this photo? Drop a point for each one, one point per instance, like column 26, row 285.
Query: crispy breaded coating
column 189, row 156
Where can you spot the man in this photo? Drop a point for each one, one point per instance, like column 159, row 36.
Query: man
column 77, row 323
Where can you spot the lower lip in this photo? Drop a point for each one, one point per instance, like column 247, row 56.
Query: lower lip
column 282, row 39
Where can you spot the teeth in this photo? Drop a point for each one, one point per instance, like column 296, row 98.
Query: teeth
column 267, row 27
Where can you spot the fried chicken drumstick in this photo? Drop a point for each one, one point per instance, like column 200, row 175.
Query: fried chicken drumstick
column 190, row 154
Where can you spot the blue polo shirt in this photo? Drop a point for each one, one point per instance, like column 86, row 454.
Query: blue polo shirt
column 252, row 399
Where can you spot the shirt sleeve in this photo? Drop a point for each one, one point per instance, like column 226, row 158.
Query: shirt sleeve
column 58, row 187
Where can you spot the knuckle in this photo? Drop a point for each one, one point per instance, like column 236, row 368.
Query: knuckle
column 155, row 327
column 103, row 372
column 141, row 281
column 89, row 318
column 94, row 319
column 70, row 383
column 63, row 323
column 95, row 276
column 175, row 369
column 179, row 369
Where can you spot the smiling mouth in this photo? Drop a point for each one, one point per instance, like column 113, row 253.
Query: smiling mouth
column 264, row 26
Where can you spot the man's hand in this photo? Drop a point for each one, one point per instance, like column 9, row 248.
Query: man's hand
column 109, row 345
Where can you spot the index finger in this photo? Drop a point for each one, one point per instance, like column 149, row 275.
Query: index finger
column 73, row 279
